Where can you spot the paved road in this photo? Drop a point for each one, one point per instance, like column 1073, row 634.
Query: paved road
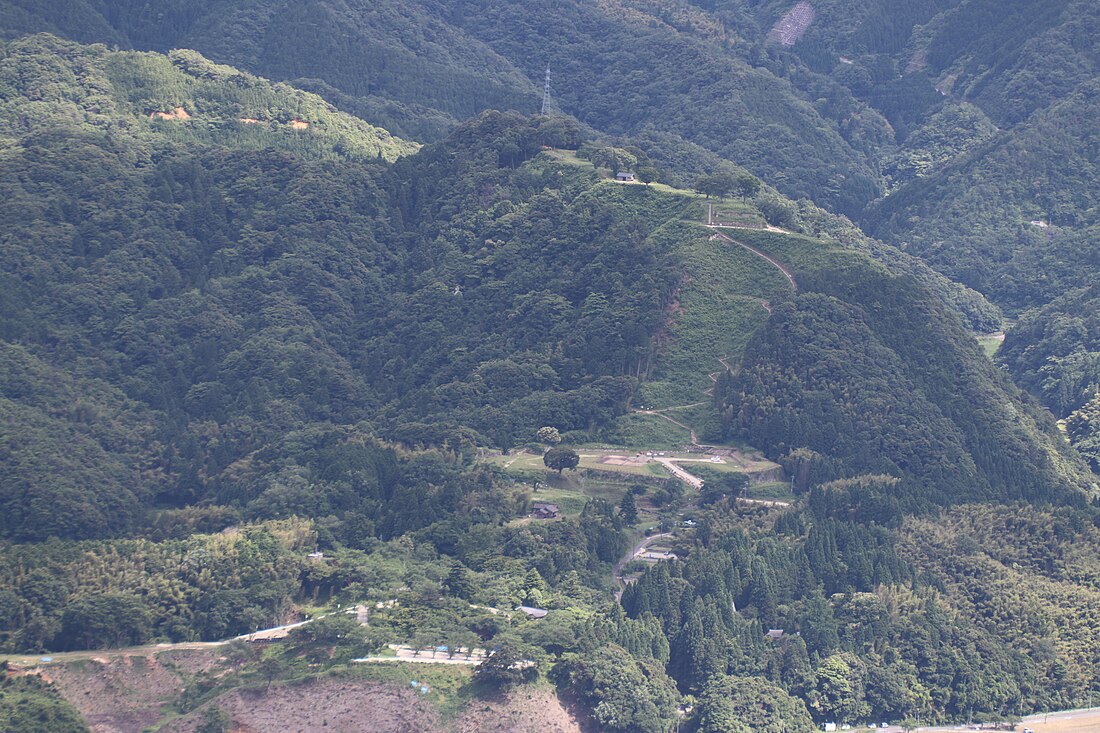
column 1083, row 720
column 145, row 650
column 690, row 479
column 617, row 573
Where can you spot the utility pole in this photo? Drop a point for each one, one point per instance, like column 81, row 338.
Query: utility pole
column 546, row 93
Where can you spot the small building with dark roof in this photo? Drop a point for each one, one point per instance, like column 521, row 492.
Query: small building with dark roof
column 544, row 510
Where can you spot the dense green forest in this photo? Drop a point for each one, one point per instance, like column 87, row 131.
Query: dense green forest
column 419, row 67
column 975, row 116
column 29, row 705
column 268, row 346
column 1054, row 352
column 210, row 301
column 217, row 307
column 979, row 110
column 875, row 624
column 847, row 369
column 978, row 612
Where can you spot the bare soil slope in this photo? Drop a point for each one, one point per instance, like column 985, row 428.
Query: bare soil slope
column 130, row 694
column 322, row 706
column 126, row 694
column 528, row 710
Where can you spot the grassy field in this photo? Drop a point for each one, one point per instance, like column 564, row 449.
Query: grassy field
column 570, row 489
column 796, row 252
column 719, row 309
column 777, row 491
column 569, row 157
column 651, row 432
column 990, row 343
column 528, row 463
column 741, row 213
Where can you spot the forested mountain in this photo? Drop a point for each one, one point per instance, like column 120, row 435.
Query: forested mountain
column 1054, row 352
column 870, row 388
column 1015, row 217
column 975, row 115
column 712, row 74
column 235, row 295
column 215, row 294
column 991, row 108
column 270, row 345
column 979, row 110
column 418, row 66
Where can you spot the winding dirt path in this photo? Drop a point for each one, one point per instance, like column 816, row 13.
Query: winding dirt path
column 786, row 273
column 677, row 407
column 658, row 413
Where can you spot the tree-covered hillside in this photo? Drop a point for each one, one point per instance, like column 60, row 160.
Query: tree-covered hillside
column 994, row 95
column 1015, row 217
column 260, row 356
column 234, row 294
column 973, row 614
column 1054, row 352
column 419, row 66
column 853, row 370
column 48, row 84
column 992, row 109
column 210, row 287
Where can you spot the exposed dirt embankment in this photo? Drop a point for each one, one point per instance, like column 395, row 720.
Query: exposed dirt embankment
column 527, row 710
column 322, row 706
column 129, row 694
column 126, row 694
column 360, row 706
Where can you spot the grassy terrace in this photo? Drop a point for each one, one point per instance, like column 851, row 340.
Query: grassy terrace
column 590, row 458
column 572, row 488
column 721, row 304
column 990, row 343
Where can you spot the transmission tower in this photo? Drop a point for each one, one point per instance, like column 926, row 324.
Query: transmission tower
column 546, row 93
